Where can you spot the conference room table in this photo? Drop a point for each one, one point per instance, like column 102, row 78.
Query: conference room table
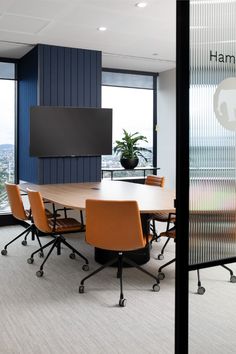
column 150, row 199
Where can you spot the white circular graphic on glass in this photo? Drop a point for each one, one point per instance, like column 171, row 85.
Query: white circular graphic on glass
column 225, row 103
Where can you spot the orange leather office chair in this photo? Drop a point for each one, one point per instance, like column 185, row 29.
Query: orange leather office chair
column 153, row 180
column 115, row 226
column 55, row 227
column 19, row 212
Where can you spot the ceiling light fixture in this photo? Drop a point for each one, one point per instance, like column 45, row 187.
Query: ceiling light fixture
column 141, row 4
column 101, row 28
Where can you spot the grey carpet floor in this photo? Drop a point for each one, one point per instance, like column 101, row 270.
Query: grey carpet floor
column 48, row 315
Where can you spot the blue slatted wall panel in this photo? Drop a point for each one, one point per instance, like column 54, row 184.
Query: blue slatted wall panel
column 27, row 96
column 69, row 77
column 58, row 76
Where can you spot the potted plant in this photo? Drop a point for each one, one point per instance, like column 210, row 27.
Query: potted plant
column 129, row 150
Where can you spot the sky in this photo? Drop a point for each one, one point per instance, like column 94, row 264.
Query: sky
column 7, row 111
column 132, row 111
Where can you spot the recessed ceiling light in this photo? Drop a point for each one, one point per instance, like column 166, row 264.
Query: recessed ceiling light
column 141, row 4
column 155, row 54
column 102, row 28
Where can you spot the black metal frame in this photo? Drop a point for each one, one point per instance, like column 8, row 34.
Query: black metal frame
column 31, row 228
column 182, row 176
column 56, row 242
column 120, row 259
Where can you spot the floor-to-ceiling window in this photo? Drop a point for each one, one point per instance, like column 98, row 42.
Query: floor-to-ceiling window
column 7, row 129
column 132, row 97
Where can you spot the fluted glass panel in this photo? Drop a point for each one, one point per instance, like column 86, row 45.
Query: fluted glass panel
column 212, row 220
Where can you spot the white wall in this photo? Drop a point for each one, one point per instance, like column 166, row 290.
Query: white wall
column 166, row 126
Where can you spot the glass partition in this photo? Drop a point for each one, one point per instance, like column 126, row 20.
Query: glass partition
column 212, row 223
column 212, row 182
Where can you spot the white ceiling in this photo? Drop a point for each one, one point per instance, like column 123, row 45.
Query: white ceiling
column 136, row 38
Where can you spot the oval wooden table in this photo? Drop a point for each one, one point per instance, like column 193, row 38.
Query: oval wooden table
column 151, row 199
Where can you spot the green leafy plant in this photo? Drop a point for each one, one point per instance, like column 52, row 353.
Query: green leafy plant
column 128, row 147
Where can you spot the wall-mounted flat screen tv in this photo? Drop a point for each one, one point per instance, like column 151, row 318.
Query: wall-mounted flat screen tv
column 70, row 131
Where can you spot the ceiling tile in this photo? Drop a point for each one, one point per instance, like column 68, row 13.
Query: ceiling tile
column 133, row 34
column 23, row 24
column 37, row 8
column 5, row 4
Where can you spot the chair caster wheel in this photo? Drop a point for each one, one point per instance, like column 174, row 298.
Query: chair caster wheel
column 39, row 273
column 122, row 302
column 4, row 252
column 201, row 290
column 85, row 267
column 30, row 260
column 81, row 289
column 156, row 287
column 24, row 243
column 41, row 254
column 72, row 256
column 160, row 276
column 160, row 257
column 233, row 279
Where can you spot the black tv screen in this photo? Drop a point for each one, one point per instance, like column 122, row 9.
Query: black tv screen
column 69, row 131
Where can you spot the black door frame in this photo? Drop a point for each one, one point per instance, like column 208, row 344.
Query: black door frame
column 182, row 176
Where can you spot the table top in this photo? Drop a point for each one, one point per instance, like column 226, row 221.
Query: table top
column 150, row 199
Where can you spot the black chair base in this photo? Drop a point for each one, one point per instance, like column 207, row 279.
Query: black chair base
column 30, row 229
column 201, row 290
column 139, row 256
column 120, row 259
column 56, row 243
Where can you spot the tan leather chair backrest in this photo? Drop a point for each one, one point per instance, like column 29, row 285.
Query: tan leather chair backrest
column 114, row 225
column 154, row 180
column 15, row 201
column 38, row 211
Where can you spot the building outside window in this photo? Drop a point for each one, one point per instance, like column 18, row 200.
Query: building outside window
column 7, row 130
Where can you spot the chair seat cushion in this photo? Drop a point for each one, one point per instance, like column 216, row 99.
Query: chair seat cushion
column 163, row 217
column 66, row 225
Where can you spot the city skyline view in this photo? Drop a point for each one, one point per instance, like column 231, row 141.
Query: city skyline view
column 7, row 138
column 7, row 111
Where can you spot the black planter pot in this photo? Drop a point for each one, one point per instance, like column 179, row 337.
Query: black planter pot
column 129, row 164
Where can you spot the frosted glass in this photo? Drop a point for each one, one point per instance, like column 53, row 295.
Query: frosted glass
column 212, row 200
